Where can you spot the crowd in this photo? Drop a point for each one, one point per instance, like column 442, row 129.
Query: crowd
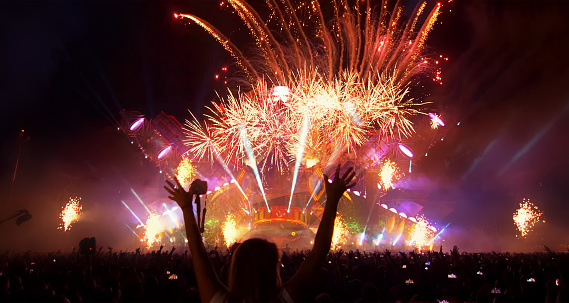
column 257, row 271
column 347, row 276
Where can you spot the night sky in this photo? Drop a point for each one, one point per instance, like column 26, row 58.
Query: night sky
column 69, row 67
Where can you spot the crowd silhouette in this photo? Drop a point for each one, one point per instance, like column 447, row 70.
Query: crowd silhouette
column 257, row 271
column 346, row 276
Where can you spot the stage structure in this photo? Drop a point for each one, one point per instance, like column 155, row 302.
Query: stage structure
column 324, row 84
column 235, row 194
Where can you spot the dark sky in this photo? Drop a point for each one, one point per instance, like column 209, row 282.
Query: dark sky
column 69, row 67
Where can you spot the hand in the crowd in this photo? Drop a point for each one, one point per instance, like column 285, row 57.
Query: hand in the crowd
column 336, row 188
column 178, row 194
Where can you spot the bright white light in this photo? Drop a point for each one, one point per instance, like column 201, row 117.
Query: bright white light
column 280, row 93
column 136, row 124
column 164, row 152
column 405, row 150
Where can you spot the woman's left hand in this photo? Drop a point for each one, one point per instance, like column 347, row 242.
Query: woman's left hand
column 178, row 194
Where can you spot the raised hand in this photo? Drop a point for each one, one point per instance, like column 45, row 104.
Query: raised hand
column 336, row 188
column 178, row 194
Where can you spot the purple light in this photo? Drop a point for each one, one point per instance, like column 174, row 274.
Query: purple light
column 405, row 150
column 436, row 119
column 164, row 152
column 136, row 124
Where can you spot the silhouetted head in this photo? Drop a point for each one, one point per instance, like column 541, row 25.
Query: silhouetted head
column 254, row 273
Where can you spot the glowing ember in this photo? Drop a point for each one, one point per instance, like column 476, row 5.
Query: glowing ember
column 70, row 213
column 185, row 172
column 229, row 230
column 422, row 233
column 389, row 173
column 153, row 230
column 340, row 232
column 526, row 217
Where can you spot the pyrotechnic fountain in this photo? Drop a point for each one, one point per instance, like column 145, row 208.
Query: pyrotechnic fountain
column 327, row 90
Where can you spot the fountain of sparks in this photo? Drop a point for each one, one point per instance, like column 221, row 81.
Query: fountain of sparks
column 70, row 213
column 526, row 217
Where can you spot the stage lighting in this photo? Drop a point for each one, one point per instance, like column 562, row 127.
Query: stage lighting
column 405, row 150
column 164, row 152
column 136, row 124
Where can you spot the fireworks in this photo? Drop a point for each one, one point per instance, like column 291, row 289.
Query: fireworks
column 388, row 174
column 185, row 172
column 229, row 230
column 422, row 233
column 70, row 213
column 526, row 217
column 153, row 230
column 340, row 232
column 349, row 96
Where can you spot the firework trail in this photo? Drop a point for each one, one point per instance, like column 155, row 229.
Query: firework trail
column 352, row 72
column 526, row 217
column 70, row 213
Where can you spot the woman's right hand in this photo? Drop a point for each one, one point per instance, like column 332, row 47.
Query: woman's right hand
column 336, row 188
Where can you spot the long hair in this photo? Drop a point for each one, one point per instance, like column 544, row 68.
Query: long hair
column 253, row 275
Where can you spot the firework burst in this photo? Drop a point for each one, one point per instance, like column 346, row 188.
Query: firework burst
column 70, row 213
column 185, row 172
column 229, row 230
column 153, row 230
column 526, row 217
column 389, row 173
column 349, row 96
column 422, row 233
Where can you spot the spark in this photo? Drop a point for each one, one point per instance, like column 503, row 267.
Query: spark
column 185, row 172
column 340, row 232
column 229, row 230
column 422, row 233
column 389, row 173
column 526, row 217
column 153, row 230
column 70, row 213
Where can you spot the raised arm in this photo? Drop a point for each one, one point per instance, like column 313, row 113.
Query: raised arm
column 208, row 283
column 310, row 269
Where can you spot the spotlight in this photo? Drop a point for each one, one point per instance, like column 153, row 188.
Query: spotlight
column 405, row 150
column 136, row 124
